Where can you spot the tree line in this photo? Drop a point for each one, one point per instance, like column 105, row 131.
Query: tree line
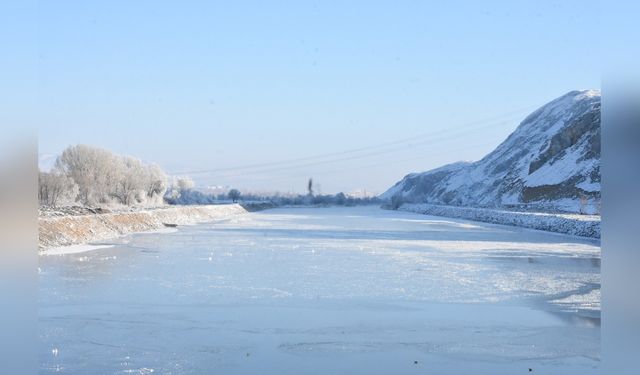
column 186, row 197
column 92, row 176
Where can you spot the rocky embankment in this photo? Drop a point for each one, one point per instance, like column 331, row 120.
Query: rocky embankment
column 572, row 224
column 85, row 225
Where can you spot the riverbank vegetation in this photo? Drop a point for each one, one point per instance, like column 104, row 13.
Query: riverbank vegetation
column 87, row 176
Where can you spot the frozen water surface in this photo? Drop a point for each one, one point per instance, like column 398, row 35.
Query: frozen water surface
column 325, row 291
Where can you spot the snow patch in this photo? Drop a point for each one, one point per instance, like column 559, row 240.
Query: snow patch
column 73, row 249
column 588, row 185
column 576, row 225
column 560, row 170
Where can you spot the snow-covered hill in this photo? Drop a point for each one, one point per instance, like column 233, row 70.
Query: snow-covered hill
column 550, row 162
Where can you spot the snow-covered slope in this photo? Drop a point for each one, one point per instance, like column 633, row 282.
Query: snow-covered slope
column 550, row 162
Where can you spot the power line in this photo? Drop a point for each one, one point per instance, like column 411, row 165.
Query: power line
column 356, row 150
column 340, row 170
column 402, row 145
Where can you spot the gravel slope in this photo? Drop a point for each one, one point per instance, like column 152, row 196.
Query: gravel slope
column 69, row 230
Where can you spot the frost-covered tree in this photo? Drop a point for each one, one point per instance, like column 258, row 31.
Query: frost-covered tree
column 184, row 183
column 54, row 188
column 180, row 191
column 103, row 177
column 155, row 182
column 93, row 169
column 129, row 181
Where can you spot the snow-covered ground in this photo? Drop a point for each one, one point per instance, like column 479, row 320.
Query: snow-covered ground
column 573, row 224
column 321, row 291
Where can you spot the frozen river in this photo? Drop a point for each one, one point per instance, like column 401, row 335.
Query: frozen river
column 325, row 291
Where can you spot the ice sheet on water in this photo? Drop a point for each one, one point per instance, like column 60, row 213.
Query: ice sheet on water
column 296, row 287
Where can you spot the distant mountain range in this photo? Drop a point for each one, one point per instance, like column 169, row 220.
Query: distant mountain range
column 551, row 162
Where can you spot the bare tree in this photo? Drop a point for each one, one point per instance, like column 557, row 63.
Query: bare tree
column 234, row 195
column 55, row 187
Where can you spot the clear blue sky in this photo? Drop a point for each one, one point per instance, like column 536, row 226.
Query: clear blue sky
column 209, row 85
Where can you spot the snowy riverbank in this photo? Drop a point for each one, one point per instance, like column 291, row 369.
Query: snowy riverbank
column 67, row 230
column 573, row 224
